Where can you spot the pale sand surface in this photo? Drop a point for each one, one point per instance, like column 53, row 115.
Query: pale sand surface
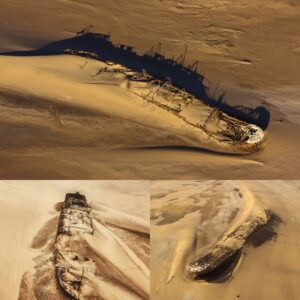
column 120, row 244
column 188, row 217
column 249, row 50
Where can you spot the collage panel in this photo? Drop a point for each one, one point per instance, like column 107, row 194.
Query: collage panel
column 74, row 240
column 167, row 89
column 225, row 240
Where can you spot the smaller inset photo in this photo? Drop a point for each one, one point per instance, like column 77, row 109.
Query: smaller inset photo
column 213, row 240
column 74, row 240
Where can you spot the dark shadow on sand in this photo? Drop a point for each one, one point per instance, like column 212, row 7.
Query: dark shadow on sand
column 223, row 272
column 156, row 65
column 267, row 232
column 185, row 149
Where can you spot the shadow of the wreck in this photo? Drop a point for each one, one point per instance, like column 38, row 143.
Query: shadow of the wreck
column 156, row 65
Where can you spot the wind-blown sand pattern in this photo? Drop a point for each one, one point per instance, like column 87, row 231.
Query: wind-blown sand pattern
column 191, row 218
column 115, row 257
column 58, row 108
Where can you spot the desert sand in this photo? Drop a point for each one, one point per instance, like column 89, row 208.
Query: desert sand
column 58, row 121
column 119, row 246
column 189, row 217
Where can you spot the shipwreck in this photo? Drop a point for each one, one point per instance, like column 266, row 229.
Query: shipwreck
column 73, row 270
column 219, row 131
column 180, row 90
column 225, row 249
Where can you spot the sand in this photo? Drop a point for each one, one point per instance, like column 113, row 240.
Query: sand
column 29, row 218
column 249, row 50
column 189, row 217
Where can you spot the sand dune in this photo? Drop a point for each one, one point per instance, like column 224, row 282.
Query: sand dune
column 204, row 212
column 179, row 116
